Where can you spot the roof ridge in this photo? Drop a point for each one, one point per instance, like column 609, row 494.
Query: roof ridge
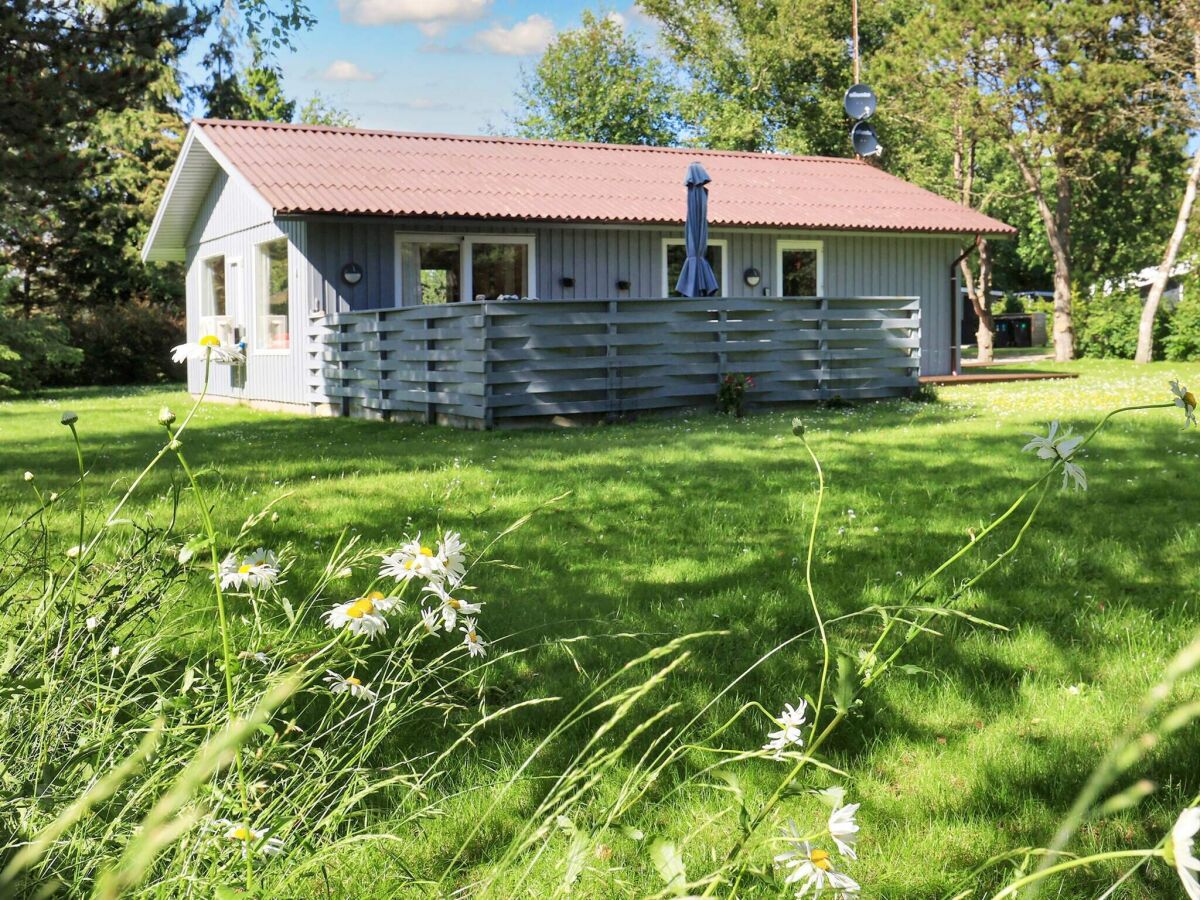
column 506, row 139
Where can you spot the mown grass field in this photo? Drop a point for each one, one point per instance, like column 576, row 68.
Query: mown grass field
column 696, row 522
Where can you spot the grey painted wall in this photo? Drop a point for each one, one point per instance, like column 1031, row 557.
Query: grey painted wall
column 854, row 265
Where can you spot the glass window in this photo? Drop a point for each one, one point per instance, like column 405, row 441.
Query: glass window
column 212, row 300
column 499, row 270
column 271, row 296
column 799, row 271
column 677, row 254
column 437, row 267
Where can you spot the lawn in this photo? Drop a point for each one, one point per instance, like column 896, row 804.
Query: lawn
column 676, row 525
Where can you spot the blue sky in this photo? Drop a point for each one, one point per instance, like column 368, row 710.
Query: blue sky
column 429, row 65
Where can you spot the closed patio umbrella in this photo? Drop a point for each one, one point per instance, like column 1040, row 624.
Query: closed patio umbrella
column 696, row 279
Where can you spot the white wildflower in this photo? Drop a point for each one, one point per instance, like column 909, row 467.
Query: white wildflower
column 251, row 839
column 209, row 344
column 29, row 476
column 413, row 560
column 476, row 646
column 1055, row 446
column 1186, row 401
column 259, row 569
column 451, row 607
column 363, row 615
column 844, row 830
column 789, row 733
column 1180, row 850
column 431, row 619
column 453, row 555
column 92, row 623
column 352, row 685
column 812, row 868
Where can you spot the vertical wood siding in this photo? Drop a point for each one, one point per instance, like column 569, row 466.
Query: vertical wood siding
column 232, row 224
column 855, row 265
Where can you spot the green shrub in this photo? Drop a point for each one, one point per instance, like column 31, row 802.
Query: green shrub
column 1106, row 326
column 34, row 351
column 1182, row 342
column 129, row 343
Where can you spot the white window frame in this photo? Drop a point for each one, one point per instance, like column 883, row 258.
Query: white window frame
column 253, row 337
column 468, row 242
column 782, row 245
column 723, row 243
column 221, row 322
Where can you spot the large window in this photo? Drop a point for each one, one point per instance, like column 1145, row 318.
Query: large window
column 452, row 268
column 272, row 331
column 800, row 268
column 214, row 300
column 674, row 255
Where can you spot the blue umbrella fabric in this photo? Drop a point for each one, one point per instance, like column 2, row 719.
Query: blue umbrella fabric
column 696, row 279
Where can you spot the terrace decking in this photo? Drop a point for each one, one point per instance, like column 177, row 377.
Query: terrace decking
column 497, row 363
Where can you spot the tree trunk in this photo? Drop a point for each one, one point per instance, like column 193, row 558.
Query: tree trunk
column 1145, row 344
column 979, row 293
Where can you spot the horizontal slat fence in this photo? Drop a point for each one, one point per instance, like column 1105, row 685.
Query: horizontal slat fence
column 485, row 364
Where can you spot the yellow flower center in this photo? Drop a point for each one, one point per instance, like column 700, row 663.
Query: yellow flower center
column 361, row 607
column 354, row 681
column 472, row 636
column 242, row 833
column 244, row 568
column 820, row 859
column 1190, row 399
column 210, row 340
column 425, row 551
column 375, row 595
column 454, row 604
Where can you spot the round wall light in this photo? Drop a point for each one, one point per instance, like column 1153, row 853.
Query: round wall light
column 352, row 273
column 752, row 277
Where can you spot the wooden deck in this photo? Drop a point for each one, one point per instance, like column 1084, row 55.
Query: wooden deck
column 994, row 377
column 496, row 363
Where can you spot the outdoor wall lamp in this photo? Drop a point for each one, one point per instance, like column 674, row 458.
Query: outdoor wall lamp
column 622, row 285
column 752, row 277
column 352, row 273
column 566, row 281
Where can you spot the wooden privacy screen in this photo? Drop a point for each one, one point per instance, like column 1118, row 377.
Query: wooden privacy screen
column 480, row 364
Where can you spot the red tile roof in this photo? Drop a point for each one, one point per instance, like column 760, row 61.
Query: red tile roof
column 302, row 169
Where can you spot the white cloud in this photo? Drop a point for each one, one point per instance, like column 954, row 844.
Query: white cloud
column 523, row 39
column 344, row 70
column 617, row 19
column 431, row 16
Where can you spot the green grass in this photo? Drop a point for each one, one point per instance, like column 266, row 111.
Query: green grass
column 694, row 522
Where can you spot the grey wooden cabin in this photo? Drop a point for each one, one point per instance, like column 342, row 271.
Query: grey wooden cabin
column 491, row 281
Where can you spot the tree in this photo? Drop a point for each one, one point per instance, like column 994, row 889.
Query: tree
column 1056, row 81
column 595, row 83
column 318, row 111
column 1190, row 15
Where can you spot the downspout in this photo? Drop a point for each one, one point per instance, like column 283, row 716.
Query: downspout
column 956, row 321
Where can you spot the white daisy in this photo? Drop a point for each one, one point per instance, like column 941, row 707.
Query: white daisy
column 813, row 868
column 352, row 684
column 790, row 719
column 451, row 607
column 431, row 619
column 1186, row 401
column 413, row 560
column 1060, row 447
column 476, row 646
column 453, row 555
column 209, row 344
column 251, row 839
column 1180, row 850
column 260, row 569
column 363, row 615
column 844, row 830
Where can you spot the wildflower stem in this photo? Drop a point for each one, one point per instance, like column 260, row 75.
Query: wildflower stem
column 1040, row 874
column 808, row 584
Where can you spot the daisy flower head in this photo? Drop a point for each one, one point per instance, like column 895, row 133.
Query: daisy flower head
column 844, row 830
column 364, row 615
column 259, row 569
column 476, row 646
column 1056, row 446
column 451, row 607
column 430, row 619
column 413, row 560
column 251, row 839
column 1180, row 850
column 351, row 685
column 1186, row 401
column 812, row 868
column 208, row 345
column 790, row 720
column 452, row 553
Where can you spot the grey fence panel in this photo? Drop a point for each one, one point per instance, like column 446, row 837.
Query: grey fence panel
column 485, row 363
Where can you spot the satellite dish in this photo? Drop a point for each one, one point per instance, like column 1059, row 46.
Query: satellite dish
column 860, row 102
column 862, row 136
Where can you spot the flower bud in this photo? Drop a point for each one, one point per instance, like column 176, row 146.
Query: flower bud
column 29, row 476
column 166, row 417
column 798, row 427
column 175, row 445
column 69, row 418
